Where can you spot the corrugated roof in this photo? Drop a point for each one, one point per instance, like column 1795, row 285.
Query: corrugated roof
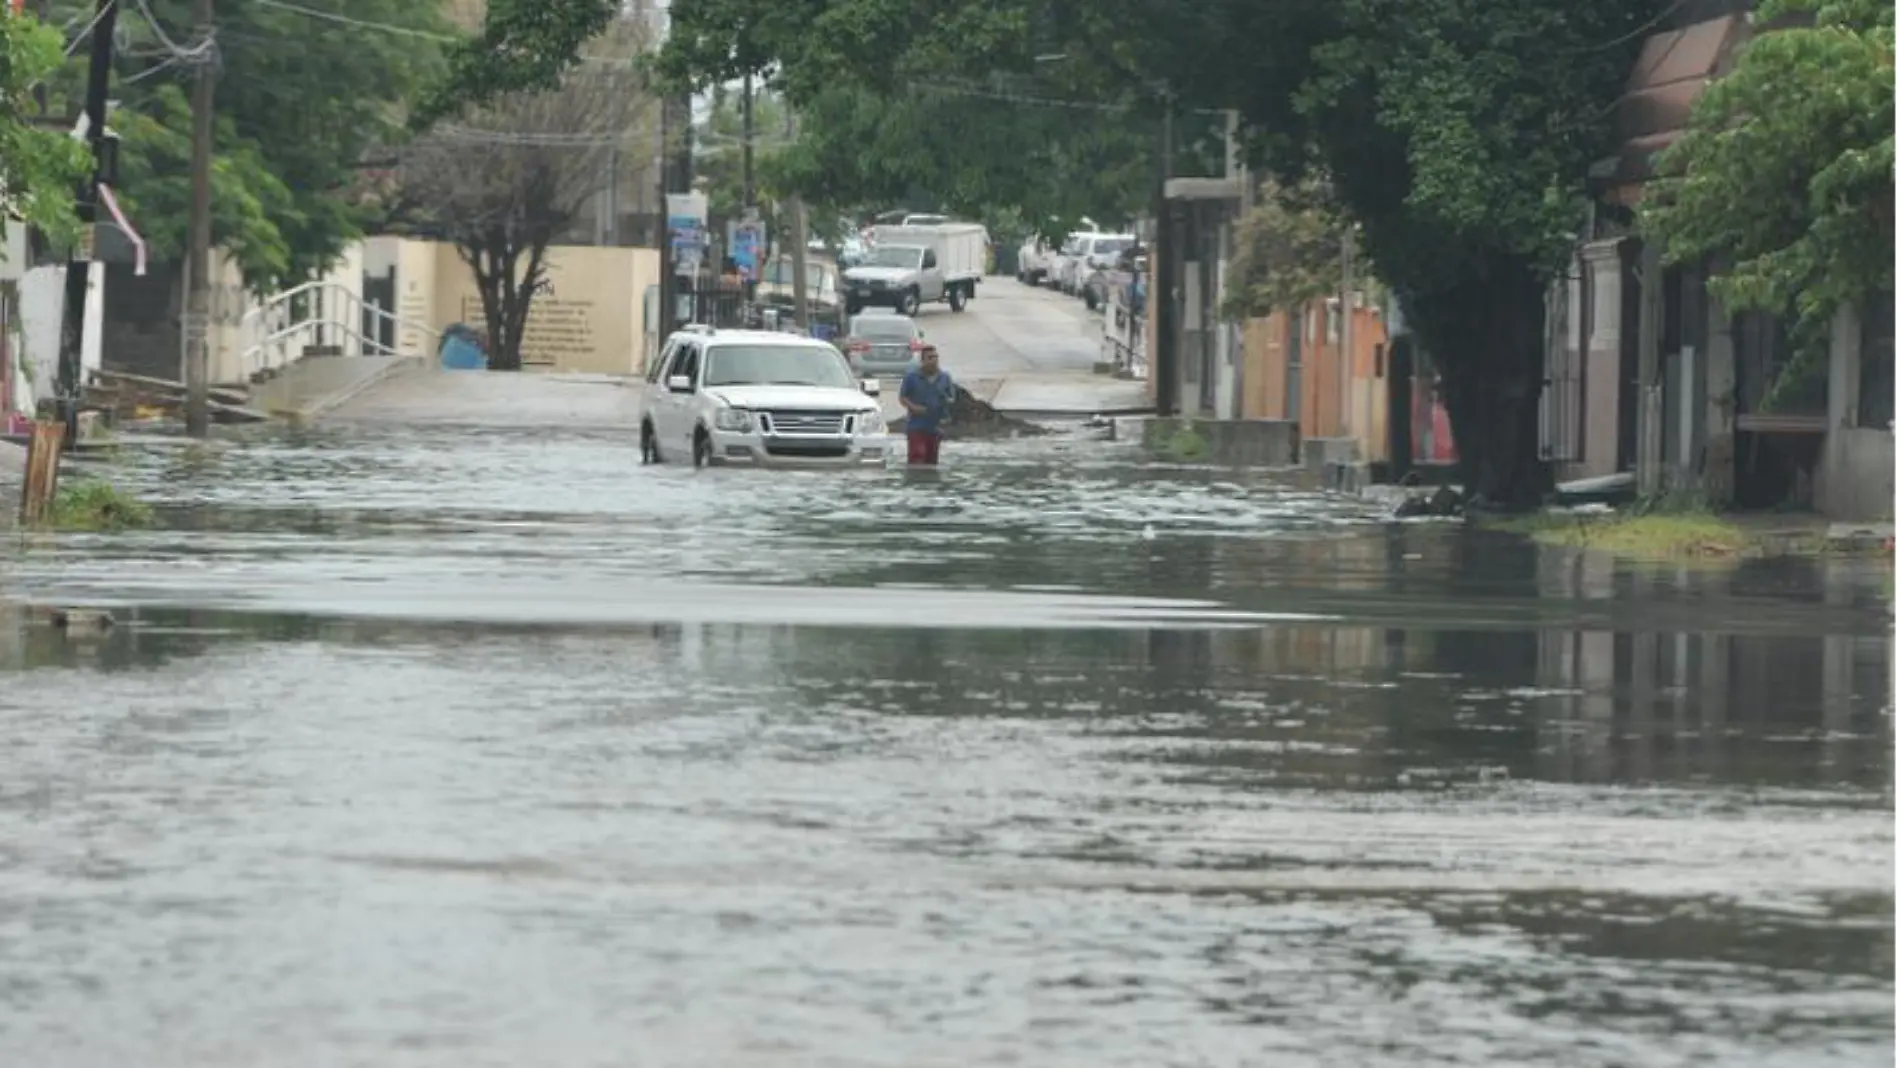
column 1670, row 72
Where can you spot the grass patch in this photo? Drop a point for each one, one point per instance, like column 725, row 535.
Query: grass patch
column 1178, row 441
column 97, row 506
column 1654, row 536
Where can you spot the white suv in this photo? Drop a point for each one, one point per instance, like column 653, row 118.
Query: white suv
column 753, row 396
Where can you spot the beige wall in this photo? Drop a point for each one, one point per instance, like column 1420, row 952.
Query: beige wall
column 588, row 317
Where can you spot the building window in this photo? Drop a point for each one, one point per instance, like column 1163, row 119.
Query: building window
column 1876, row 363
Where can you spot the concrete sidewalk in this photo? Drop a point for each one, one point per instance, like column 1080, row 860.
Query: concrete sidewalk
column 315, row 385
column 425, row 394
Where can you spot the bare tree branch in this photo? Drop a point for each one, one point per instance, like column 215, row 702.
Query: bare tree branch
column 504, row 182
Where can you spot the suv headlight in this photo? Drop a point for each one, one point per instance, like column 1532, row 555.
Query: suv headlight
column 737, row 420
column 870, row 424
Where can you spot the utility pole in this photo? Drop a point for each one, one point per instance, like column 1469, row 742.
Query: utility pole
column 1161, row 272
column 664, row 327
column 72, row 334
column 801, row 312
column 749, row 199
column 198, row 255
column 1345, row 333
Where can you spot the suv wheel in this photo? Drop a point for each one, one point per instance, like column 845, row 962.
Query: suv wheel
column 649, row 445
column 702, row 448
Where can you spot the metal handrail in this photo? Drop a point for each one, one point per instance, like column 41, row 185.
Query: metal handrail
column 279, row 316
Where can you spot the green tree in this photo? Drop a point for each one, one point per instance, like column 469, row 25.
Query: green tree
column 720, row 161
column 1785, row 177
column 1457, row 132
column 309, row 94
column 525, row 46
column 1286, row 250
column 39, row 168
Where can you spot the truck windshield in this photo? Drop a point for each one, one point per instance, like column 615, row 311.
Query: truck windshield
column 777, row 365
column 894, row 256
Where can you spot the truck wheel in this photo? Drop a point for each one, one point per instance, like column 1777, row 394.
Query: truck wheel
column 1089, row 298
column 908, row 304
column 958, row 298
column 702, row 448
column 649, row 445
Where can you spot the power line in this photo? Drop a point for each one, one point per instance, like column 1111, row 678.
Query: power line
column 401, row 31
column 73, row 45
column 361, row 24
column 178, row 51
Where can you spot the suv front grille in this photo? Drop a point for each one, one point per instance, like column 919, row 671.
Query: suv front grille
column 804, row 423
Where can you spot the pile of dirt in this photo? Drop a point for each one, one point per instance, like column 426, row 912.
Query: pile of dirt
column 974, row 418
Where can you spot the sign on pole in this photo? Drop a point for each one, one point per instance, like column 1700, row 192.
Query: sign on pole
column 686, row 226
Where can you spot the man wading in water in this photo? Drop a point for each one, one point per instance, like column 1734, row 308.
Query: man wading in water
column 926, row 393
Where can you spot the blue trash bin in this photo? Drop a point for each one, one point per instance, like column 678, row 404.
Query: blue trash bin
column 460, row 350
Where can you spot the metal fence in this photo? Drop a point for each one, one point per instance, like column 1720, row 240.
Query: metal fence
column 728, row 307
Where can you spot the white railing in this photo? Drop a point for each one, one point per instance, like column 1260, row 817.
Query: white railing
column 1124, row 342
column 275, row 334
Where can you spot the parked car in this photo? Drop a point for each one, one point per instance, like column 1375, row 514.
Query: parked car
column 879, row 343
column 756, row 397
column 1032, row 261
column 1105, row 266
column 821, row 282
column 1089, row 253
column 1062, row 261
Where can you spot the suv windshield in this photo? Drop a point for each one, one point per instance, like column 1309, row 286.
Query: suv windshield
column 894, row 256
column 882, row 328
column 777, row 365
column 1112, row 244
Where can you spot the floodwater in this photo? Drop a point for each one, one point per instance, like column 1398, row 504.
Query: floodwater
column 454, row 748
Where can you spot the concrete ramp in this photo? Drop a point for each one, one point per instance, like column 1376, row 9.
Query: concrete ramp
column 1069, row 394
column 316, row 384
column 425, row 394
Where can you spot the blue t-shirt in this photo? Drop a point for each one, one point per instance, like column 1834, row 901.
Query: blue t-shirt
column 934, row 395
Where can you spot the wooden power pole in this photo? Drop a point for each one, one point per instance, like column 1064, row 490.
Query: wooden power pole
column 72, row 334
column 198, row 256
column 801, row 286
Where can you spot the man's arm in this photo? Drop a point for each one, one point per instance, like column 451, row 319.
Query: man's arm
column 904, row 393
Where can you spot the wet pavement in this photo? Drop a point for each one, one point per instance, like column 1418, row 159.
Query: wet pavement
column 434, row 747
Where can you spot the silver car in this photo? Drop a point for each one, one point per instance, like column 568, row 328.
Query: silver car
column 882, row 344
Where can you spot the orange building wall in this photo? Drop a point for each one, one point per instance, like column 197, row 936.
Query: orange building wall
column 1264, row 382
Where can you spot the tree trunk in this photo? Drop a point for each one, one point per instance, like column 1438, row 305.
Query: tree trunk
column 1487, row 338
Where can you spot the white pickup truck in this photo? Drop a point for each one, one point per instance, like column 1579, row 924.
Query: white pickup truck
column 909, row 266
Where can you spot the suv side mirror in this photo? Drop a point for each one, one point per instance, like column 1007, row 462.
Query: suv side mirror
column 679, row 383
column 872, row 387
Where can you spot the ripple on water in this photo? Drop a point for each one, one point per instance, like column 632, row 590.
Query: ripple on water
column 313, row 804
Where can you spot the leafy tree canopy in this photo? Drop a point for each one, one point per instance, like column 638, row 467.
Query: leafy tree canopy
column 885, row 115
column 524, row 46
column 966, row 151
column 308, row 93
column 1786, row 173
column 39, row 167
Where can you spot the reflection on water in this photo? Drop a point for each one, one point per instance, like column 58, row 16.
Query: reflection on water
column 1488, row 805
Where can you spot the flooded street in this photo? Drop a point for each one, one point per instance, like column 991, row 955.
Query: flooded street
column 445, row 747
